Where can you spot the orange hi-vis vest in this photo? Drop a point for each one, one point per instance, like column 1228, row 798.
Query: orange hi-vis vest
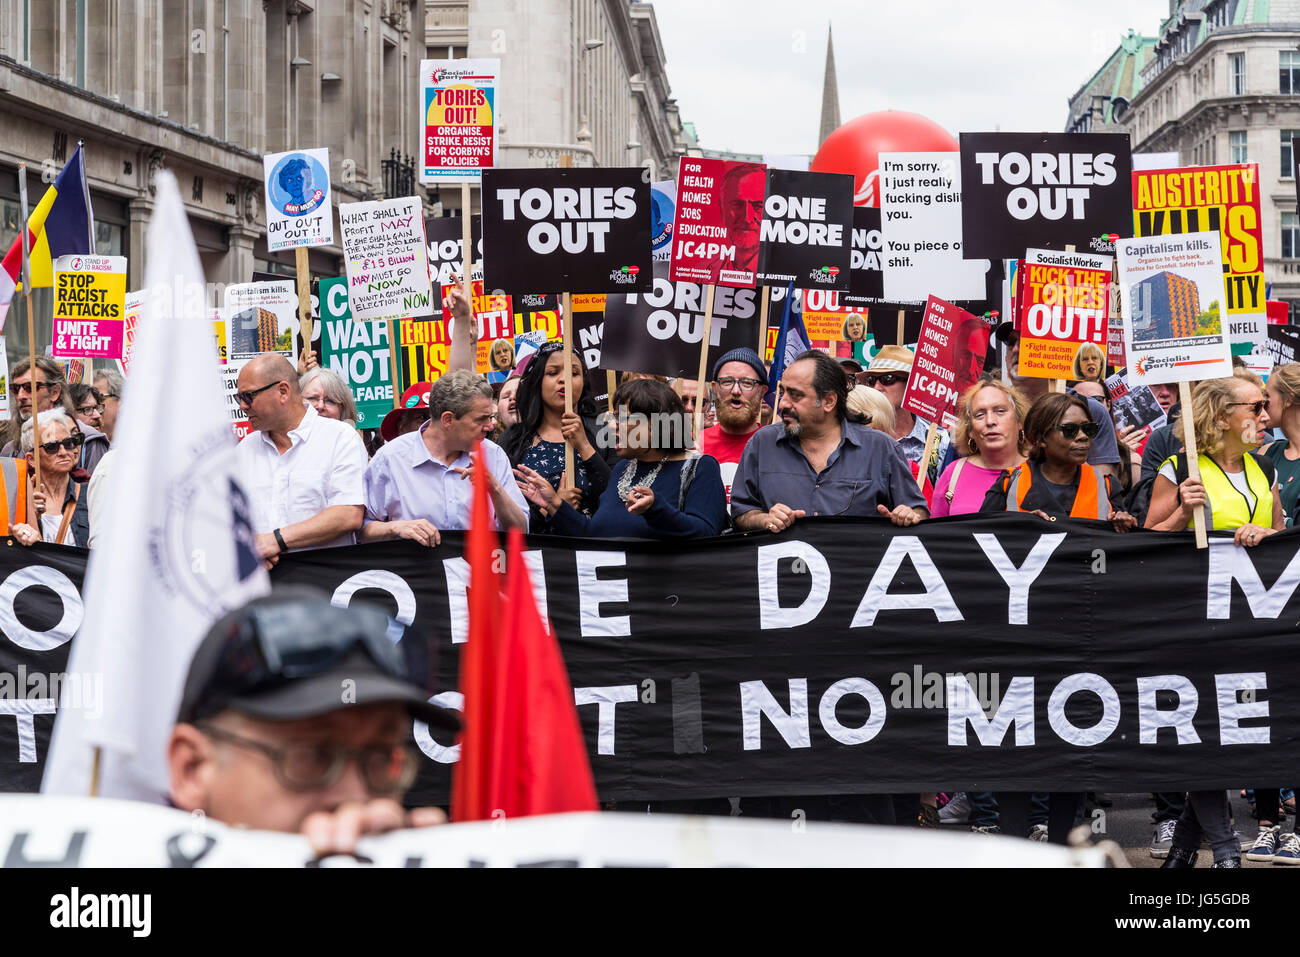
column 1091, row 501
column 13, row 486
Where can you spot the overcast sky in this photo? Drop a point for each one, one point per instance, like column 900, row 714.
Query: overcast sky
column 748, row 73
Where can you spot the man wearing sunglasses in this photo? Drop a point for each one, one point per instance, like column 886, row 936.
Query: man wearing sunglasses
column 739, row 382
column 47, row 392
column 88, row 405
column 266, row 739
column 303, row 472
column 887, row 373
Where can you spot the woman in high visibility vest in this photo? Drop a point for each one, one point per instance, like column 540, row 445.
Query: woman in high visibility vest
column 1056, row 481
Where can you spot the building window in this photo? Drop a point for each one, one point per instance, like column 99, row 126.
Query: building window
column 1237, row 147
column 1287, row 159
column 1236, row 74
column 1290, row 236
column 1288, row 79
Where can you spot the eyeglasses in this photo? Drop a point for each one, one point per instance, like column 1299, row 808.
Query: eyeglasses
column 1071, row 430
column 322, row 400
column 869, row 379
column 727, row 383
column 70, row 443
column 18, row 388
column 314, row 767
column 91, row 410
column 246, row 398
column 1256, row 407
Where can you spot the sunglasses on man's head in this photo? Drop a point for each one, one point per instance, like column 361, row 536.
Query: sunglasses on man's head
column 869, row 379
column 1071, row 430
column 70, row 443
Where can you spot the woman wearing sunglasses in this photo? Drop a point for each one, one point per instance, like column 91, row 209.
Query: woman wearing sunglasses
column 1057, row 481
column 60, row 502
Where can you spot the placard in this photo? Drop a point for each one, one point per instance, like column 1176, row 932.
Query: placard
column 444, row 236
column 921, row 210
column 459, row 119
column 1064, row 303
column 386, row 258
column 261, row 317
column 299, row 210
column 719, row 213
column 1042, row 190
column 827, row 315
column 89, row 303
column 495, row 336
column 566, row 230
column 949, row 358
column 1172, row 288
column 807, row 230
column 663, row 205
column 1169, row 202
column 358, row 352
column 1136, row 406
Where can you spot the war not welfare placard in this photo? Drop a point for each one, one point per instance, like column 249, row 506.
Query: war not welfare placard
column 719, row 214
column 386, row 258
column 299, row 211
column 807, row 230
column 1042, row 190
column 459, row 119
column 89, row 304
column 1063, row 304
column 566, row 230
column 358, row 352
column 1170, row 202
column 949, row 358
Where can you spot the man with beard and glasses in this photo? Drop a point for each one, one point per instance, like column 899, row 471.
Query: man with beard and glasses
column 739, row 381
column 815, row 462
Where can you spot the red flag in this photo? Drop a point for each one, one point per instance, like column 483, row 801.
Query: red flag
column 479, row 660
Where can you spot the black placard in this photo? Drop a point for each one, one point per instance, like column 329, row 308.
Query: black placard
column 566, row 230
column 444, row 235
column 807, row 230
column 1043, row 191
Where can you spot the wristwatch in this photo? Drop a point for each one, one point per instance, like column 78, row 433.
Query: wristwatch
column 280, row 541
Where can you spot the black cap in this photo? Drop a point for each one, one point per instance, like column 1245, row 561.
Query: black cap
column 286, row 656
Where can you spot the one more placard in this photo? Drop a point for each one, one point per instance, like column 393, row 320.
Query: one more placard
column 299, row 210
column 1063, row 310
column 949, row 358
column 807, row 230
column 566, row 230
column 386, row 258
column 719, row 213
column 1042, row 190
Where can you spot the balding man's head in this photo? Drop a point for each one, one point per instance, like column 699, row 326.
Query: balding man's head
column 270, row 366
column 269, row 394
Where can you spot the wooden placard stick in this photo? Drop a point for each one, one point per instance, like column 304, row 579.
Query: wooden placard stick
column 467, row 247
column 394, row 347
column 704, row 359
column 303, row 268
column 762, row 321
column 931, row 437
column 902, row 332
column 567, row 307
column 610, row 387
column 31, row 327
column 1193, row 466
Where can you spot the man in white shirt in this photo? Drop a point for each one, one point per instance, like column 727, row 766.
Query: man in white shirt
column 303, row 473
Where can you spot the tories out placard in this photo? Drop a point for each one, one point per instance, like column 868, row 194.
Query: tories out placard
column 566, row 230
column 1063, row 305
column 719, row 214
column 299, row 211
column 949, row 358
column 1169, row 202
column 1172, row 287
column 920, row 204
column 89, row 303
column 386, row 258
column 1042, row 190
column 459, row 119
column 659, row 332
column 807, row 229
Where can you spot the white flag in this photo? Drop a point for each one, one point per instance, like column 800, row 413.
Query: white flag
column 176, row 548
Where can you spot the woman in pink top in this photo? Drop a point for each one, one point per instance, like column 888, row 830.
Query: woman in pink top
column 989, row 430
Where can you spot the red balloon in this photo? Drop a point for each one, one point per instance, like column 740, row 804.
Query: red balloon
column 856, row 147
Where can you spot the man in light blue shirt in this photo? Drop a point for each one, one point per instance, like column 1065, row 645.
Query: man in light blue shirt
column 420, row 482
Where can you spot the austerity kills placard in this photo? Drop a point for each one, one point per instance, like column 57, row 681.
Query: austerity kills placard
column 659, row 332
column 719, row 214
column 358, row 352
column 386, row 258
column 949, row 358
column 459, row 119
column 89, row 302
column 566, row 230
column 426, row 351
column 1063, row 304
column 1172, row 288
column 1042, row 190
column 806, row 231
column 299, row 211
column 921, row 204
column 446, row 262
column 1226, row 199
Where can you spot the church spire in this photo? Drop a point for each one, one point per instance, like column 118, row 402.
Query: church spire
column 830, row 94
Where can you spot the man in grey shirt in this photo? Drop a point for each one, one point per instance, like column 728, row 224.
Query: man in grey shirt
column 815, row 463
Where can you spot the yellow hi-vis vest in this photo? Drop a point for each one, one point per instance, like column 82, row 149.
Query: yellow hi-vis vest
column 1227, row 507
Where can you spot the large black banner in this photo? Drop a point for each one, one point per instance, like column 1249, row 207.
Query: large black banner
column 566, row 230
column 1042, row 191
column 807, row 230
column 845, row 656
